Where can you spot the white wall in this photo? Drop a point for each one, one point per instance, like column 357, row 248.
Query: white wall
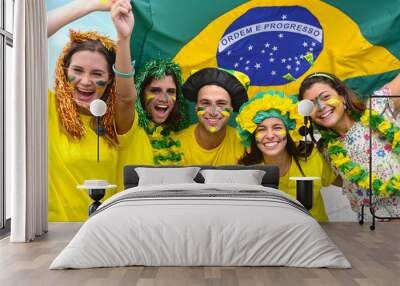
column 337, row 205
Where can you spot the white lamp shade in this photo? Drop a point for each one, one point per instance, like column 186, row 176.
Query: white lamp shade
column 98, row 107
column 305, row 107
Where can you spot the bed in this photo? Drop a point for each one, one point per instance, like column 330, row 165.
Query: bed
column 208, row 216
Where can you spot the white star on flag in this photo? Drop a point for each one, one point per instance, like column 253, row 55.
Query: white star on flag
column 267, row 60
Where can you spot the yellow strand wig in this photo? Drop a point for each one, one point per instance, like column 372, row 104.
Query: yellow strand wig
column 66, row 106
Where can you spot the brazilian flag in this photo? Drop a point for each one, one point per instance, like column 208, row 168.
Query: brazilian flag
column 276, row 43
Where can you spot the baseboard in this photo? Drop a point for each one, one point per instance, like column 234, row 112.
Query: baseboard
column 5, row 231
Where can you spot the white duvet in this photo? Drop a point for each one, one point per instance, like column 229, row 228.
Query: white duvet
column 190, row 230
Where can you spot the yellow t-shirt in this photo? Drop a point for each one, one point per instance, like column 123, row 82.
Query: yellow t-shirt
column 134, row 149
column 315, row 166
column 227, row 153
column 71, row 162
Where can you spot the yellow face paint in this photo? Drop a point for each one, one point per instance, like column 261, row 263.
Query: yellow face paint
column 213, row 129
column 281, row 132
column 103, row 1
column 150, row 97
column 173, row 97
column 201, row 111
column 100, row 90
column 259, row 136
column 225, row 113
column 334, row 102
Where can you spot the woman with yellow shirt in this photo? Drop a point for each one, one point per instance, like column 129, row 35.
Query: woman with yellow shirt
column 268, row 125
column 85, row 72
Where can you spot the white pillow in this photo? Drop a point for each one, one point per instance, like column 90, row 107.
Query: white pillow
column 164, row 176
column 249, row 177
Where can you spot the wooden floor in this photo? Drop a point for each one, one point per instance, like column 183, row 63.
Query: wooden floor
column 374, row 255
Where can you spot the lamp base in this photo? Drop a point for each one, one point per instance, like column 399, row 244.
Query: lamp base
column 304, row 193
column 304, row 190
column 96, row 195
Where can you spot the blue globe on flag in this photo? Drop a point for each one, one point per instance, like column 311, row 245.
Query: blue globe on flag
column 272, row 45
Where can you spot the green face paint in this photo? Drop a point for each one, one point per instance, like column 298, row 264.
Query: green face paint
column 226, row 112
column 101, row 83
column 100, row 87
column 166, row 97
column 319, row 104
column 71, row 78
column 201, row 111
column 213, row 109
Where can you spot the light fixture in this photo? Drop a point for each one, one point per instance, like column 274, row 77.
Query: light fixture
column 98, row 108
column 305, row 185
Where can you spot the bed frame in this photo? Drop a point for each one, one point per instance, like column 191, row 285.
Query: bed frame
column 270, row 179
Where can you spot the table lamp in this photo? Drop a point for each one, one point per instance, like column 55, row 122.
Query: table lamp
column 97, row 188
column 305, row 185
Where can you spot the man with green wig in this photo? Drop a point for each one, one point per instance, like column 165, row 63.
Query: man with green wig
column 159, row 112
column 217, row 93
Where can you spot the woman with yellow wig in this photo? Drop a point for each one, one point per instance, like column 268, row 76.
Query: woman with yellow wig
column 268, row 125
column 88, row 68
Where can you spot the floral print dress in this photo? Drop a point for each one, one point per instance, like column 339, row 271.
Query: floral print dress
column 384, row 161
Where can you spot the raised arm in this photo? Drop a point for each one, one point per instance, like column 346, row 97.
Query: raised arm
column 58, row 18
column 394, row 87
column 122, row 17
